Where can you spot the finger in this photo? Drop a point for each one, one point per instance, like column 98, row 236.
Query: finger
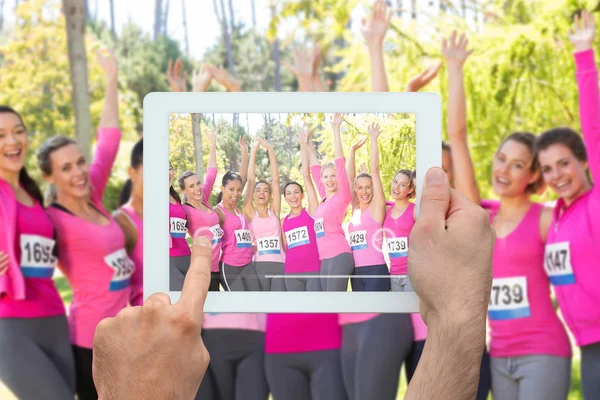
column 197, row 279
column 453, row 38
column 289, row 67
column 576, row 23
column 160, row 299
column 170, row 68
column 178, row 67
column 461, row 41
column 389, row 17
column 435, row 199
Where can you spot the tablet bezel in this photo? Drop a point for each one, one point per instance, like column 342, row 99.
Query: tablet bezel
column 157, row 108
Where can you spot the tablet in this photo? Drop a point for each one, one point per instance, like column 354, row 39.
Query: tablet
column 416, row 117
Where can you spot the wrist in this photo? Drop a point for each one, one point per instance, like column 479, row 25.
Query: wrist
column 305, row 83
column 580, row 48
column 375, row 47
column 454, row 66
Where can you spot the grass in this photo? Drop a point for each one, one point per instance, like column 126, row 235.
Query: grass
column 574, row 394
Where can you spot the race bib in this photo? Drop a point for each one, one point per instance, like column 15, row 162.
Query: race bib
column 243, row 238
column 297, row 237
column 397, row 247
column 508, row 299
column 217, row 232
column 120, row 262
column 557, row 264
column 358, row 240
column 178, row 227
column 269, row 245
column 319, row 228
column 37, row 260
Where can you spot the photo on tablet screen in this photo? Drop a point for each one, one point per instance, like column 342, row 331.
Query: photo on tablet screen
column 294, row 202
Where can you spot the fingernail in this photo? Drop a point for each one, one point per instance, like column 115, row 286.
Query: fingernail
column 435, row 176
column 202, row 241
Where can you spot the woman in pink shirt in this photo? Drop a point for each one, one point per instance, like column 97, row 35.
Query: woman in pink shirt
column 528, row 343
column 202, row 219
column 36, row 356
column 572, row 251
column 334, row 188
column 262, row 205
column 130, row 216
column 92, row 246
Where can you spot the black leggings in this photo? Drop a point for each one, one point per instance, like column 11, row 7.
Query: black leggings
column 215, row 280
column 86, row 390
column 360, row 284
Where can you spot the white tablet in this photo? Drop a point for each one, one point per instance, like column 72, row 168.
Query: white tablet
column 414, row 116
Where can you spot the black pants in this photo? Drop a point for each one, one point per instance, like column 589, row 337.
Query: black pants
column 85, row 388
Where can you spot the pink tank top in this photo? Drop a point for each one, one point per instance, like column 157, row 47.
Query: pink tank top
column 302, row 254
column 345, row 319
column 237, row 239
column 178, row 229
column 137, row 279
column 521, row 315
column 397, row 233
column 267, row 237
column 202, row 223
column 419, row 327
column 301, row 333
column 34, row 249
column 250, row 322
column 366, row 239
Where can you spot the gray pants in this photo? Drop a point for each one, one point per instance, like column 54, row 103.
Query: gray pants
column 531, row 377
column 401, row 283
column 590, row 371
column 178, row 268
column 342, row 264
column 36, row 359
column 237, row 363
column 299, row 284
column 314, row 375
column 372, row 355
column 239, row 279
column 267, row 268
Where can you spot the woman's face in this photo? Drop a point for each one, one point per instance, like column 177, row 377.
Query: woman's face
column 401, row 188
column 13, row 143
column 193, row 188
column 563, row 172
column 511, row 169
column 70, row 172
column 294, row 196
column 364, row 190
column 232, row 192
column 329, row 179
column 262, row 194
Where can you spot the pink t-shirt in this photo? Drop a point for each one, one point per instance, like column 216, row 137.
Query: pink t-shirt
column 345, row 319
column 331, row 239
column 419, row 327
column 366, row 239
column 250, row 322
column 301, row 333
column 34, row 249
column 572, row 250
column 521, row 315
column 177, row 229
column 137, row 256
column 93, row 257
column 237, row 239
column 267, row 237
column 302, row 254
column 397, row 234
column 207, row 224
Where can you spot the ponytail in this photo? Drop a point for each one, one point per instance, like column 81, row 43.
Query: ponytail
column 174, row 194
column 125, row 193
column 219, row 198
column 30, row 186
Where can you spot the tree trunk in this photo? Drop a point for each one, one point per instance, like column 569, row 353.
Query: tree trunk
column 443, row 6
column 463, row 4
column 231, row 19
column 157, row 18
column 75, row 21
column 185, row 29
column 166, row 20
column 227, row 39
column 276, row 57
column 1, row 14
column 112, row 18
column 197, row 134
column 86, row 6
column 253, row 5
column 413, row 8
column 95, row 10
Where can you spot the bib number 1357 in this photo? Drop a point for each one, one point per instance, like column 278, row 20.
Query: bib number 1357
column 557, row 263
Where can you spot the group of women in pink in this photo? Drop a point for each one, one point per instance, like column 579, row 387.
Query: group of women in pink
column 539, row 250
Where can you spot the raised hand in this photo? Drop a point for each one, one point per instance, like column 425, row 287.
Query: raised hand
column 255, row 145
column 423, row 79
column 336, row 121
column 316, row 61
column 374, row 131
column 359, row 144
column 583, row 32
column 265, row 144
column 243, row 144
column 455, row 49
column 222, row 76
column 212, row 138
column 3, row 263
column 303, row 68
column 375, row 28
column 177, row 80
column 303, row 136
column 108, row 63
column 202, row 79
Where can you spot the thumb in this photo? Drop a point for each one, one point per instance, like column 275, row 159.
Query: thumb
column 435, row 200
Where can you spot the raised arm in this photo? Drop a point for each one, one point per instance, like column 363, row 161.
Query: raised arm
column 423, row 79
column 177, row 80
column 316, row 79
column 248, row 206
column 336, row 123
column 378, row 202
column 244, row 166
column 222, row 76
column 455, row 51
column 374, row 31
column 315, row 167
column 275, row 184
column 304, row 63
column 311, row 193
column 344, row 192
column 351, row 170
column 211, row 168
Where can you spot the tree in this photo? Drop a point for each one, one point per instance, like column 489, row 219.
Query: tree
column 253, row 5
column 158, row 14
column 1, row 14
column 276, row 56
column 197, row 136
column 166, row 18
column 75, row 23
column 112, row 18
column 185, row 29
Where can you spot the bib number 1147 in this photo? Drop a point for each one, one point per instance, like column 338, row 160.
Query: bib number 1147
column 557, row 263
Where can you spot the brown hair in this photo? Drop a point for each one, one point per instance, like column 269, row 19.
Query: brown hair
column 409, row 174
column 528, row 140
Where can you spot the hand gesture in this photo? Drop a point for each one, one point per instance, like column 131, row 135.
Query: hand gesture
column 336, row 121
column 212, row 138
column 243, row 144
column 255, row 145
column 583, row 33
column 177, row 81
column 304, row 62
column 359, row 144
column 375, row 28
column 3, row 263
column 374, row 131
column 202, row 79
column 455, row 50
column 108, row 64
column 222, row 76
column 423, row 79
column 317, row 60
column 265, row 144
column 303, row 136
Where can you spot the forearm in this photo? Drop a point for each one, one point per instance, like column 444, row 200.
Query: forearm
column 244, row 167
column 457, row 109
column 351, row 166
column 212, row 156
column 379, row 81
column 110, row 112
column 338, row 150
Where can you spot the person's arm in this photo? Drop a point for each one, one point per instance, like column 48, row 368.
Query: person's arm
column 244, row 166
column 374, row 31
column 311, row 193
column 378, row 202
column 456, row 53
column 351, row 170
column 249, row 209
column 423, row 79
column 453, row 291
column 316, row 79
column 304, row 61
column 336, row 124
column 222, row 76
column 344, row 192
column 275, row 184
column 211, row 168
column 582, row 39
column 315, row 168
column 177, row 80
